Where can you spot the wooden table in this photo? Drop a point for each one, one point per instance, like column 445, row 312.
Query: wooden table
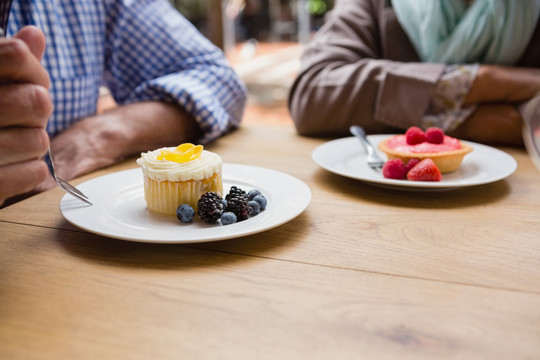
column 363, row 273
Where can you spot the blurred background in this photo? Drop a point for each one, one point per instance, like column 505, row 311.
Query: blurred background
column 228, row 22
column 263, row 40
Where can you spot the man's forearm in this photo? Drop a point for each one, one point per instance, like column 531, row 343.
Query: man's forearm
column 105, row 139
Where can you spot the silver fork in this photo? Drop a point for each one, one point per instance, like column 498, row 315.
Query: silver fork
column 374, row 161
column 64, row 185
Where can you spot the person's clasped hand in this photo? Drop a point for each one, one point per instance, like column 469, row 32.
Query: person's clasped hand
column 25, row 106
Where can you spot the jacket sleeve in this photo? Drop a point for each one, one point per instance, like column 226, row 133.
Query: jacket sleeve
column 355, row 72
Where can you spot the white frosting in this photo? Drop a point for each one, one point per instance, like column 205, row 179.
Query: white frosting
column 206, row 165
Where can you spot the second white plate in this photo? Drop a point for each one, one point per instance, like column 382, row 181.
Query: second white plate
column 347, row 157
column 120, row 211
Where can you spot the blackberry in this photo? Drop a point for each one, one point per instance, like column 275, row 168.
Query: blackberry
column 210, row 207
column 239, row 206
column 235, row 192
column 237, row 203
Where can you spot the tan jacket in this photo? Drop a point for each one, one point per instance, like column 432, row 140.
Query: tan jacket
column 361, row 68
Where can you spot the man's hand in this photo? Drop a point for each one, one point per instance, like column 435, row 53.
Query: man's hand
column 25, row 106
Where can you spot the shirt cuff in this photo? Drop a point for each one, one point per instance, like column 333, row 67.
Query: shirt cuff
column 445, row 109
column 215, row 102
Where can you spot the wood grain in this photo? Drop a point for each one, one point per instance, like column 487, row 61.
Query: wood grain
column 80, row 296
column 364, row 272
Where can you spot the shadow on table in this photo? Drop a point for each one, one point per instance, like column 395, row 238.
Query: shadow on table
column 181, row 256
column 411, row 198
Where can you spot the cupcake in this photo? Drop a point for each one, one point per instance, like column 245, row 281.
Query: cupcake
column 176, row 176
column 445, row 151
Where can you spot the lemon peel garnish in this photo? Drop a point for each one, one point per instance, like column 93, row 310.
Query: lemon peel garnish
column 183, row 153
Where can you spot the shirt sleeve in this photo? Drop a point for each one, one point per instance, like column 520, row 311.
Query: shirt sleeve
column 154, row 53
column 445, row 109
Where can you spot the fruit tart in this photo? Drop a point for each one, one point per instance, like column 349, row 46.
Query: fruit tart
column 446, row 152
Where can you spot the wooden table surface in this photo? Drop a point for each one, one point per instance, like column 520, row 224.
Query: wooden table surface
column 363, row 273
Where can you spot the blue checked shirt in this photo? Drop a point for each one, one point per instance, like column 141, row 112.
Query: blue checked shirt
column 141, row 50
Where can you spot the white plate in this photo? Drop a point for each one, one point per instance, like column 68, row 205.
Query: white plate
column 120, row 211
column 347, row 157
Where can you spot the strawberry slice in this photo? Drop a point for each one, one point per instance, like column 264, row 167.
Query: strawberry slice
column 425, row 170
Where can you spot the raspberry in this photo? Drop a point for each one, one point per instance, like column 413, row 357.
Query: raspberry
column 210, row 207
column 415, row 135
column 425, row 170
column 394, row 169
column 410, row 164
column 435, row 135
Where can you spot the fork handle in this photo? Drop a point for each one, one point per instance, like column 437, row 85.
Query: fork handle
column 361, row 134
column 48, row 161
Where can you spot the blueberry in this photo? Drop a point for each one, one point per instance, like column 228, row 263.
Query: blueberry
column 261, row 199
column 185, row 213
column 224, row 202
column 252, row 193
column 255, row 207
column 228, row 218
